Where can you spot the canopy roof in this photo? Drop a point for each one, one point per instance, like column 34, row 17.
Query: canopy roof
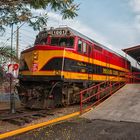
column 134, row 52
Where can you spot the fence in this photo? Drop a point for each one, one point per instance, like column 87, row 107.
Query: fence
column 133, row 77
column 95, row 94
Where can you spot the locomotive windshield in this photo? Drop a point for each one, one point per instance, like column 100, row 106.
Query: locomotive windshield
column 41, row 41
column 63, row 41
column 57, row 41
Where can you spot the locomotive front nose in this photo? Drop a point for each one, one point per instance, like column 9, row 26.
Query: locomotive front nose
column 34, row 66
column 29, row 62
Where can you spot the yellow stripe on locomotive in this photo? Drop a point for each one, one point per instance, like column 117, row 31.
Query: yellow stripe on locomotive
column 35, row 61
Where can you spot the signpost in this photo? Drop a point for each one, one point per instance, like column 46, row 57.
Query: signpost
column 12, row 73
column 12, row 100
column 13, row 70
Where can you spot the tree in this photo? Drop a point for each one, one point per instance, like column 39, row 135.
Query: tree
column 17, row 11
column 6, row 54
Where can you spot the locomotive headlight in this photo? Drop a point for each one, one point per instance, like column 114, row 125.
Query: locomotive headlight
column 35, row 55
column 57, row 72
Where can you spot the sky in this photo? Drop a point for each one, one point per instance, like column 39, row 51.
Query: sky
column 113, row 23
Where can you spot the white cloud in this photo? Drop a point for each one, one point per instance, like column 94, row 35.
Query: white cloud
column 127, row 33
column 137, row 22
column 56, row 20
column 135, row 5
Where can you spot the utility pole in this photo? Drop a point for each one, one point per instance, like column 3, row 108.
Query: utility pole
column 12, row 96
column 17, row 41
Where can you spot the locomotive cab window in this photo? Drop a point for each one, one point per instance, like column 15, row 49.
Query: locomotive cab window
column 79, row 46
column 41, row 41
column 84, row 48
column 62, row 42
column 54, row 41
column 89, row 48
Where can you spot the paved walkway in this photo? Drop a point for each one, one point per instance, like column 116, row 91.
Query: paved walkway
column 124, row 105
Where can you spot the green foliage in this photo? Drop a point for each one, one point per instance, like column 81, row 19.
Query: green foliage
column 17, row 11
column 5, row 57
column 2, row 75
column 6, row 54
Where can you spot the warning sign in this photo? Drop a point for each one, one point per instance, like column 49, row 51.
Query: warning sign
column 13, row 69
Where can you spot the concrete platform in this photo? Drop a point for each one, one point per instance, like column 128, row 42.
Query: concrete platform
column 124, row 105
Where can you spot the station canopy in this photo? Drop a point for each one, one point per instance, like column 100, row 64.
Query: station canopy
column 134, row 52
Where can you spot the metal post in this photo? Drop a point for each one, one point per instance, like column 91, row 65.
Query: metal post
column 98, row 93
column 12, row 97
column 81, row 99
column 110, row 86
column 63, row 63
column 17, row 41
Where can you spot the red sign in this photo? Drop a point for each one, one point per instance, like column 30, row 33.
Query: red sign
column 13, row 69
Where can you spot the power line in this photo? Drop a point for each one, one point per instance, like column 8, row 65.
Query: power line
column 28, row 30
column 17, row 42
column 25, row 41
column 23, row 44
column 13, row 34
column 3, row 38
column 23, row 34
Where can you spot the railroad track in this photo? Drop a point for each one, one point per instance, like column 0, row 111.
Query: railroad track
column 23, row 116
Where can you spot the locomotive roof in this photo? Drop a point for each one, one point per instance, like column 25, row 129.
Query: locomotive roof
column 76, row 33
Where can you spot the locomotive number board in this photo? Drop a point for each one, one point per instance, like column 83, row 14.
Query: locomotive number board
column 59, row 32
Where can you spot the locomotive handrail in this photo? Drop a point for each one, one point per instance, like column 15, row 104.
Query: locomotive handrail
column 134, row 77
column 110, row 84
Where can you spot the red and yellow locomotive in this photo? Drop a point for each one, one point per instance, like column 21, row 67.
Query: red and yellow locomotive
column 61, row 63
